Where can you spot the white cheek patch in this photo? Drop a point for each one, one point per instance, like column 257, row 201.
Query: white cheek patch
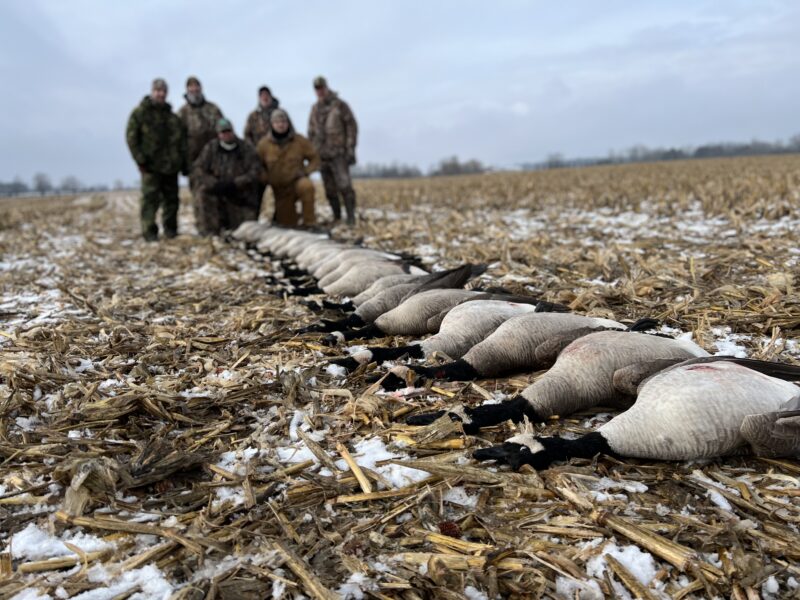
column 527, row 439
column 339, row 336
column 364, row 357
column 400, row 371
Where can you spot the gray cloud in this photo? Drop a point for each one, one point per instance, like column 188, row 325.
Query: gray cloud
column 505, row 84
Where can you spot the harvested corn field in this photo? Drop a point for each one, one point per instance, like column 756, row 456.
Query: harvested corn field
column 165, row 434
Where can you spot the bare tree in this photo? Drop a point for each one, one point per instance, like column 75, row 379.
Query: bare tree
column 41, row 183
column 70, row 184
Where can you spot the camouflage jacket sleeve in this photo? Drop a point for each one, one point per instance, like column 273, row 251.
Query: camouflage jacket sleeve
column 201, row 169
column 251, row 174
column 134, row 138
column 183, row 146
column 312, row 123
column 261, row 153
column 249, row 130
column 350, row 127
column 312, row 156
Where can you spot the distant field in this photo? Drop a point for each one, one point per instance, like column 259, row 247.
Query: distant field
column 164, row 434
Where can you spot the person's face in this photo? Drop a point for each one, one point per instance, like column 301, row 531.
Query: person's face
column 227, row 136
column 321, row 92
column 264, row 98
column 280, row 126
column 194, row 89
column 159, row 95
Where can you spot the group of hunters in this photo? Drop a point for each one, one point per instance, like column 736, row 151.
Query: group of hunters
column 228, row 175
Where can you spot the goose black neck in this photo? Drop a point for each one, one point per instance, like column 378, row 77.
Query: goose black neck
column 380, row 354
column 365, row 333
column 558, row 449
column 459, row 370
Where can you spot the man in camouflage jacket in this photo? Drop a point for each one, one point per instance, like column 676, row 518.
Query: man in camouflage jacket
column 258, row 127
column 258, row 121
column 333, row 130
column 157, row 141
column 200, row 118
column 228, row 175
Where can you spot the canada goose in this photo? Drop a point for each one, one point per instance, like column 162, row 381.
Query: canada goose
column 777, row 433
column 599, row 368
column 345, row 264
column 464, row 326
column 295, row 244
column 527, row 342
column 691, row 411
column 278, row 241
column 394, row 295
column 362, row 275
column 350, row 256
column 416, row 315
column 273, row 238
column 316, row 252
column 249, row 231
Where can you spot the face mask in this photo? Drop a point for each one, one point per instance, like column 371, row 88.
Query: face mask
column 227, row 145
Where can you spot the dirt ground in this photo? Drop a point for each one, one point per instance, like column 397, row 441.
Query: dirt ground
column 165, row 434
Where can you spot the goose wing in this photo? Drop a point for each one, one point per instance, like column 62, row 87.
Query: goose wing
column 784, row 371
column 630, row 378
column 776, row 433
column 547, row 352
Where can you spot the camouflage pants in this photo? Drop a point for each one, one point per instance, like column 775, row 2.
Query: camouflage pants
column 235, row 213
column 336, row 179
column 159, row 191
column 286, row 198
column 218, row 213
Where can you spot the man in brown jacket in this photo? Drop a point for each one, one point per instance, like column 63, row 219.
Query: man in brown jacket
column 227, row 174
column 333, row 130
column 289, row 159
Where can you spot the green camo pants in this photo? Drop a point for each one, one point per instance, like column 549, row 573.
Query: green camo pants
column 159, row 190
column 336, row 179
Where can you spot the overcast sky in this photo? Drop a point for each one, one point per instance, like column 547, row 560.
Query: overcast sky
column 505, row 83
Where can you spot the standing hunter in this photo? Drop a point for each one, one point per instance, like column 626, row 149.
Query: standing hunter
column 157, row 141
column 258, row 126
column 333, row 131
column 200, row 118
column 258, row 121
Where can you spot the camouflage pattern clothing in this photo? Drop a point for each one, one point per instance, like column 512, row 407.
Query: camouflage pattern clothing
column 258, row 122
column 336, row 181
column 227, row 186
column 200, row 120
column 333, row 130
column 157, row 141
column 290, row 159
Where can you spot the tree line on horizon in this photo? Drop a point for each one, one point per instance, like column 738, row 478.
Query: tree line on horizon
column 641, row 153
column 42, row 185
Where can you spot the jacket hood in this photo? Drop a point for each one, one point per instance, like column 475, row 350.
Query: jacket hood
column 286, row 137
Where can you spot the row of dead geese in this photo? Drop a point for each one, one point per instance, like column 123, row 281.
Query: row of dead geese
column 681, row 402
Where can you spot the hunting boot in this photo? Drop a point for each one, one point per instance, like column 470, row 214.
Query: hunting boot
column 350, row 206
